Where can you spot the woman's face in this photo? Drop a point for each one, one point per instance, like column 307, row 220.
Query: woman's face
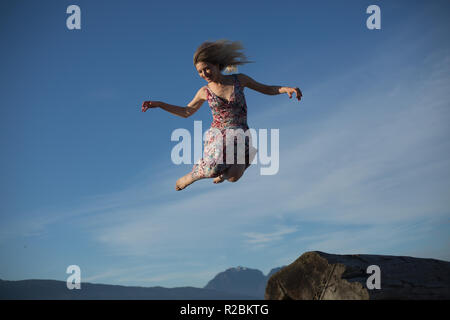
column 207, row 71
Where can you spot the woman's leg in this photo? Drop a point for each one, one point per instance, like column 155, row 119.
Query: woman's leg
column 232, row 174
column 201, row 170
column 235, row 172
column 186, row 180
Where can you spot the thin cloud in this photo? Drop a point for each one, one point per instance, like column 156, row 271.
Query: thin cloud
column 260, row 238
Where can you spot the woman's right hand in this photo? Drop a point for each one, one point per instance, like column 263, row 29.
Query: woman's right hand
column 149, row 104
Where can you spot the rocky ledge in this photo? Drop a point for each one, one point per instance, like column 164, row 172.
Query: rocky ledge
column 317, row 275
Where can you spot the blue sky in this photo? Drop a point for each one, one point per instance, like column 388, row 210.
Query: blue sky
column 87, row 178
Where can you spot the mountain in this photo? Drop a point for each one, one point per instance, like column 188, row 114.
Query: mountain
column 233, row 284
column 241, row 280
column 247, row 281
column 57, row 290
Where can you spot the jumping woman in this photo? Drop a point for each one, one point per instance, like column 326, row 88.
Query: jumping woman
column 225, row 96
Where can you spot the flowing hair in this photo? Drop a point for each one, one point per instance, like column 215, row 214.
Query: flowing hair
column 223, row 53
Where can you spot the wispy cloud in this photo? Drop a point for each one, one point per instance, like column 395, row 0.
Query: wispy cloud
column 259, row 238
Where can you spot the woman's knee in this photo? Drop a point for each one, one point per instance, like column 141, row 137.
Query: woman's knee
column 235, row 173
column 233, row 179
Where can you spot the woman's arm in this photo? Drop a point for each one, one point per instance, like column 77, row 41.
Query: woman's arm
column 248, row 82
column 175, row 110
column 183, row 112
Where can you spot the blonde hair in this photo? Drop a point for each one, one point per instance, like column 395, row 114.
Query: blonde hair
column 223, row 53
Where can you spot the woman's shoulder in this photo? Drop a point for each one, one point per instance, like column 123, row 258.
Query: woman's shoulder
column 203, row 93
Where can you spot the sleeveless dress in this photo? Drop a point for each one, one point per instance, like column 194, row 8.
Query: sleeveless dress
column 230, row 114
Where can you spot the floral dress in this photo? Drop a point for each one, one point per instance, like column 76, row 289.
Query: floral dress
column 228, row 117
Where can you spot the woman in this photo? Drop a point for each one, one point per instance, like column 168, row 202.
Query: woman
column 225, row 96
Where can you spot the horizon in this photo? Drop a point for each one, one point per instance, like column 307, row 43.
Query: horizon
column 238, row 268
column 88, row 180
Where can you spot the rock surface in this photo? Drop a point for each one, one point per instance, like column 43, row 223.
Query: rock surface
column 321, row 276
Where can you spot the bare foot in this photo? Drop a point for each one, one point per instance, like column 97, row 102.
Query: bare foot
column 183, row 182
column 219, row 179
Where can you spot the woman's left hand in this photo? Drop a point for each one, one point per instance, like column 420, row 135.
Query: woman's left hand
column 290, row 91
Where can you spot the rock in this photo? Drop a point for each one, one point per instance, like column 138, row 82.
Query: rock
column 274, row 270
column 321, row 276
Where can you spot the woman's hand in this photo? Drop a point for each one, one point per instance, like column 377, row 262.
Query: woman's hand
column 149, row 104
column 290, row 91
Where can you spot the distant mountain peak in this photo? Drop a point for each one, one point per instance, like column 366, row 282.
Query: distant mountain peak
column 240, row 268
column 240, row 280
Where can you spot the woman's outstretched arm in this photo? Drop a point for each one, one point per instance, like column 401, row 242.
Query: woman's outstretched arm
column 183, row 112
column 248, row 82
